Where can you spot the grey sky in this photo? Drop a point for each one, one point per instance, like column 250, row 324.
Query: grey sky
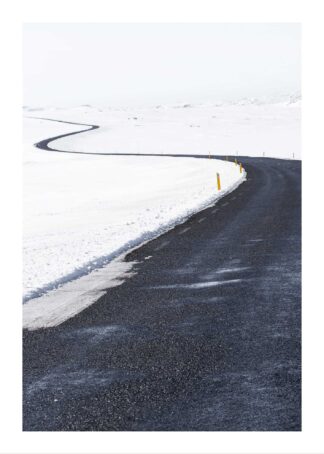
column 127, row 64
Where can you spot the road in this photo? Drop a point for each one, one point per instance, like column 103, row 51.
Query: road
column 205, row 336
column 44, row 144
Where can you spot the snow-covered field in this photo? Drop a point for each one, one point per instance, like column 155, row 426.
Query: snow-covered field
column 80, row 212
column 249, row 129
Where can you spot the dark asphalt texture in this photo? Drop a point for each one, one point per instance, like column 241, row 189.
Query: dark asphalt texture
column 205, row 337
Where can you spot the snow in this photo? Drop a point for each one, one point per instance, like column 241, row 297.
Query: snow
column 82, row 211
column 248, row 128
column 55, row 307
column 199, row 285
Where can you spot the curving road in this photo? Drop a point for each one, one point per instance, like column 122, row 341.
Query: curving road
column 206, row 335
column 44, row 144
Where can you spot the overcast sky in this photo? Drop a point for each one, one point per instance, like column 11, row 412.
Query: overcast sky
column 138, row 64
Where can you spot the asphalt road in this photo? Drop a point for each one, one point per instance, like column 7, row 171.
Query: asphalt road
column 44, row 144
column 206, row 335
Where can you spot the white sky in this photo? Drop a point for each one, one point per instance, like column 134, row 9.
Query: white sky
column 127, row 64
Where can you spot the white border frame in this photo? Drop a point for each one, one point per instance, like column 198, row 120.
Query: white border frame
column 13, row 14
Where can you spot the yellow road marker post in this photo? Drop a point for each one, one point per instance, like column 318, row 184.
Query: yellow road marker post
column 240, row 167
column 218, row 182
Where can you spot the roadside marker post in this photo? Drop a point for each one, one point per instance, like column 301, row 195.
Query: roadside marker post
column 240, row 167
column 218, row 182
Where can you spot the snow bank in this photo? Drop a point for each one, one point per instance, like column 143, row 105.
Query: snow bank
column 57, row 306
column 82, row 211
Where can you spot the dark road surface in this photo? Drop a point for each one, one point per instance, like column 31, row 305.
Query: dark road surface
column 206, row 335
